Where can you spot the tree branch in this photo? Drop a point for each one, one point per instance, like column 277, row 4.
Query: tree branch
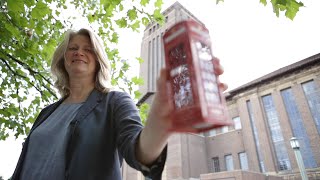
column 22, row 76
column 27, row 67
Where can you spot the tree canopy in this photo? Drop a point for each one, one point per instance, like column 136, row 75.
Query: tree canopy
column 30, row 31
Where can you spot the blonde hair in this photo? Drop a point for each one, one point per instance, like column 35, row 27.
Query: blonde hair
column 60, row 75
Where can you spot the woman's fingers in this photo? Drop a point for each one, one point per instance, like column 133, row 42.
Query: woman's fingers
column 218, row 69
column 223, row 87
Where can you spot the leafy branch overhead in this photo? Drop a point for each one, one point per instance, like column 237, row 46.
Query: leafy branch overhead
column 289, row 7
column 30, row 31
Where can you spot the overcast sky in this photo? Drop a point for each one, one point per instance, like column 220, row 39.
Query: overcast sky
column 247, row 37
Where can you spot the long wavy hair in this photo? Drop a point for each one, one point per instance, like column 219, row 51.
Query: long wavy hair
column 60, row 75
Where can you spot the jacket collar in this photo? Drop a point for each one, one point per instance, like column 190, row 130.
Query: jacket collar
column 93, row 99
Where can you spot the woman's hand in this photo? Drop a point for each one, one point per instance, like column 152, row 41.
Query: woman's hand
column 158, row 126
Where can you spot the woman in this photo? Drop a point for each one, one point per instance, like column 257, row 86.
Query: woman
column 86, row 134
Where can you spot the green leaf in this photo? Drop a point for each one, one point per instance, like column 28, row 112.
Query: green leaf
column 158, row 3
column 16, row 6
column 29, row 3
column 13, row 30
column 282, row 2
column 40, row 10
column 136, row 25
column 115, row 37
column 132, row 14
column 140, row 60
column 125, row 67
column 158, row 16
column 144, row 2
column 137, row 94
column 122, row 23
column 120, row 7
column 292, row 8
column 218, row 1
column 144, row 109
column 145, row 21
column 264, row 2
column 137, row 80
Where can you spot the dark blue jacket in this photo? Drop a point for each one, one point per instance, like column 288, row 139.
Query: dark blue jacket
column 105, row 129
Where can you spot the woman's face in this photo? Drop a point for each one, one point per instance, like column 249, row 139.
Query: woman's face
column 80, row 57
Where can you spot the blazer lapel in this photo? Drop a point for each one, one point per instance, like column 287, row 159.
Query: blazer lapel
column 93, row 100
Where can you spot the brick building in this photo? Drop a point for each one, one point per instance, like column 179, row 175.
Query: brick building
column 267, row 112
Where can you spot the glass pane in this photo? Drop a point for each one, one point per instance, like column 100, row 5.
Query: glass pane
column 212, row 132
column 312, row 93
column 298, row 128
column 243, row 161
column 229, row 162
column 276, row 134
column 180, row 75
column 215, row 164
column 224, row 129
column 237, row 122
column 256, row 137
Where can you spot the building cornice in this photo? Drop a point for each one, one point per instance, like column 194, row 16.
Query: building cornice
column 298, row 66
column 175, row 5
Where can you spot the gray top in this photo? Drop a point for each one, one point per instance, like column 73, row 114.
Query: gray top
column 47, row 145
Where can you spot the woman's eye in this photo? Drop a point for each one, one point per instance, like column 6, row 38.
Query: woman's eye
column 88, row 50
column 72, row 48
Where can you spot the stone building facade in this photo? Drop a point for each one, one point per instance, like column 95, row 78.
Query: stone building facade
column 267, row 113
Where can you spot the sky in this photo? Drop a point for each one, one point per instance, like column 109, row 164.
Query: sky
column 246, row 36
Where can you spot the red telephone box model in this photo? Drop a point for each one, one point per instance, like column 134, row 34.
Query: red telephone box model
column 198, row 103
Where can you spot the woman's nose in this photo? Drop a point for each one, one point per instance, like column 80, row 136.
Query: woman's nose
column 78, row 52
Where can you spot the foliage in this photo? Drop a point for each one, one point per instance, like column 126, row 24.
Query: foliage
column 290, row 7
column 31, row 29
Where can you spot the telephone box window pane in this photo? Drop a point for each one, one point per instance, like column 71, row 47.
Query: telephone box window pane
column 180, row 75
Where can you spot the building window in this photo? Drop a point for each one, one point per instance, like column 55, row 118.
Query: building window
column 150, row 31
column 215, row 164
column 166, row 20
column 298, row 128
column 243, row 161
column 229, row 162
column 162, row 60
column 256, row 137
column 212, row 132
column 153, row 28
column 154, row 64
column 149, row 66
column 276, row 134
column 224, row 129
column 157, row 57
column 237, row 122
column 312, row 93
